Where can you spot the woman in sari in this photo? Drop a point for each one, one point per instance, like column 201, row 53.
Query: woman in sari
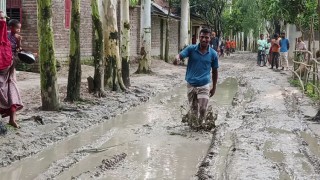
column 10, row 101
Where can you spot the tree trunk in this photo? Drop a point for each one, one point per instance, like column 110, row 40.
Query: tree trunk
column 48, row 72
column 113, row 74
column 184, row 27
column 145, row 59
column 125, row 42
column 167, row 47
column 74, row 78
column 99, row 62
column 318, row 10
column 277, row 26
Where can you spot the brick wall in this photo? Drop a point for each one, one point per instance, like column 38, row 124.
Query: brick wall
column 29, row 25
column 135, row 31
column 173, row 37
column 155, row 36
column 61, row 34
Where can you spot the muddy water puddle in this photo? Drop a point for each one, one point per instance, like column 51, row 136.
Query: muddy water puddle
column 226, row 91
column 224, row 153
column 278, row 131
column 284, row 176
column 312, row 142
column 275, row 156
column 143, row 133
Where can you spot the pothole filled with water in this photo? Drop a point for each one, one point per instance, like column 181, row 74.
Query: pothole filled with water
column 142, row 133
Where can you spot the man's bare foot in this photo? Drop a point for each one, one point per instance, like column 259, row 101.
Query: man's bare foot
column 14, row 124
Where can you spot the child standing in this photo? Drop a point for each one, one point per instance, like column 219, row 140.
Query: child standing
column 13, row 35
column 10, row 101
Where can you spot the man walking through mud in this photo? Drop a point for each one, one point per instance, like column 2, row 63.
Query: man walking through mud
column 202, row 59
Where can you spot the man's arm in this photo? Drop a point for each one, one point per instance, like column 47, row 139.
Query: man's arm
column 178, row 57
column 183, row 54
column 214, row 81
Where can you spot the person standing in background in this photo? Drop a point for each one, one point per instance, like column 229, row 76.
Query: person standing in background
column 10, row 100
column 301, row 46
column 262, row 44
column 214, row 42
column 284, row 47
column 275, row 49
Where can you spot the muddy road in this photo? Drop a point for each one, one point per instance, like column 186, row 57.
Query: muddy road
column 262, row 130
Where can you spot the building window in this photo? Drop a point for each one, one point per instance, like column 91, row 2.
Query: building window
column 14, row 9
column 67, row 13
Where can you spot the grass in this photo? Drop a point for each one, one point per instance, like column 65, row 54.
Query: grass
column 87, row 61
column 308, row 89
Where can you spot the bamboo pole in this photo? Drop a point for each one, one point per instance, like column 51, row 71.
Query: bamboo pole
column 314, row 67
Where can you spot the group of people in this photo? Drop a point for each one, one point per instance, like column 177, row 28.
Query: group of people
column 202, row 67
column 273, row 52
column 222, row 46
column 10, row 45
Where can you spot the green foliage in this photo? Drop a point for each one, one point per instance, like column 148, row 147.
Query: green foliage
column 244, row 16
column 87, row 61
column 252, row 15
column 249, row 15
column 134, row 3
column 308, row 88
column 297, row 12
column 303, row 20
column 211, row 11
column 295, row 82
column 208, row 9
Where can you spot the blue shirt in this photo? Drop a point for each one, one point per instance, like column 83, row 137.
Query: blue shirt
column 284, row 45
column 199, row 65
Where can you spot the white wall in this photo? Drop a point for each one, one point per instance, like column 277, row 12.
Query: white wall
column 3, row 6
column 292, row 34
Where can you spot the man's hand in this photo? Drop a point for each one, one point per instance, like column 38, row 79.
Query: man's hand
column 177, row 60
column 212, row 91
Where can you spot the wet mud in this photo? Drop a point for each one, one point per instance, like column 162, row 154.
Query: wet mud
column 261, row 131
column 264, row 135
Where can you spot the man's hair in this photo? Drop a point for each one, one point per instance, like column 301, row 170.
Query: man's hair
column 261, row 34
column 14, row 23
column 276, row 35
column 205, row 31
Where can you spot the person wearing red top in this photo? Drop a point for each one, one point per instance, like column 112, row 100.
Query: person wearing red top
column 233, row 46
column 275, row 49
column 10, row 100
